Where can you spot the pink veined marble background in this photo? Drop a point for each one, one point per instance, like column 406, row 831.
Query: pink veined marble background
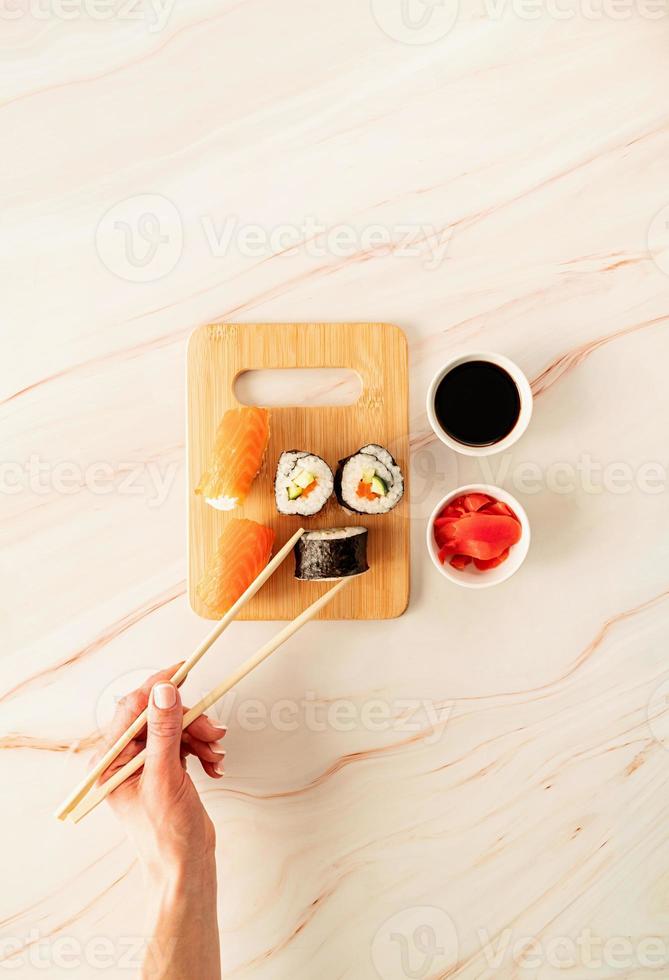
column 420, row 798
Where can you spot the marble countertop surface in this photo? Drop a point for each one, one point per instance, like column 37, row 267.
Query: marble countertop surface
column 479, row 788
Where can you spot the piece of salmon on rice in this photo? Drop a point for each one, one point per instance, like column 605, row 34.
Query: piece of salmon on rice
column 244, row 549
column 239, row 448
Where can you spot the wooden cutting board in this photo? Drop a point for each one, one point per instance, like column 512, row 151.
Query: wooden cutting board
column 217, row 354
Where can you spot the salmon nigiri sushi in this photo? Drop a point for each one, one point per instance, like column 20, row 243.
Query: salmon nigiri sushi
column 241, row 441
column 243, row 551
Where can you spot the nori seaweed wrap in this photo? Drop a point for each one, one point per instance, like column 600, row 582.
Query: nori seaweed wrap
column 331, row 553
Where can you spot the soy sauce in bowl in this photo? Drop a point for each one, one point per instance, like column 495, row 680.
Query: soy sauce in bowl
column 477, row 403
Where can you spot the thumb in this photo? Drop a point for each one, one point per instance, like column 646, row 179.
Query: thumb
column 163, row 736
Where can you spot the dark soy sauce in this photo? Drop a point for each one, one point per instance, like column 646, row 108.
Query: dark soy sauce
column 477, row 403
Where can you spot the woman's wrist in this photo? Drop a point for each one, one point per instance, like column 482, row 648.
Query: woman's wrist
column 179, row 873
column 182, row 926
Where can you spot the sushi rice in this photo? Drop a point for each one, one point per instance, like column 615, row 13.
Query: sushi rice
column 303, row 483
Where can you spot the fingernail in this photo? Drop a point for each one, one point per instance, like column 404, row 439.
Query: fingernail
column 220, row 728
column 164, row 696
column 217, row 747
column 218, row 769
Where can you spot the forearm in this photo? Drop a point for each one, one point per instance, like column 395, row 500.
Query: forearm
column 184, row 940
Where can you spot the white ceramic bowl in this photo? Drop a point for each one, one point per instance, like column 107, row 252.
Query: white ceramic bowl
column 524, row 391
column 470, row 577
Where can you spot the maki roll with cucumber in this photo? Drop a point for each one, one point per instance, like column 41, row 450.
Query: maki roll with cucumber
column 369, row 481
column 331, row 553
column 303, row 483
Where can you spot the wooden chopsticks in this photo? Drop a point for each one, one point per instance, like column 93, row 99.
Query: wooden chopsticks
column 104, row 789
column 80, row 791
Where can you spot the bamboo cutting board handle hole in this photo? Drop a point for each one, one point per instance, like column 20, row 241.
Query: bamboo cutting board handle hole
column 298, row 387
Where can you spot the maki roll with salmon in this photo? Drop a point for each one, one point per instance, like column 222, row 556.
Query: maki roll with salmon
column 303, row 483
column 369, row 481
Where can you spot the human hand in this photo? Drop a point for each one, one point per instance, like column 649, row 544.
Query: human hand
column 159, row 805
